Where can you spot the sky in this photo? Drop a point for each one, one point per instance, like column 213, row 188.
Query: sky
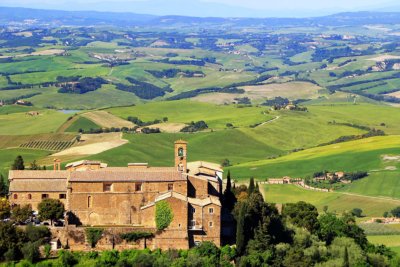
column 220, row 8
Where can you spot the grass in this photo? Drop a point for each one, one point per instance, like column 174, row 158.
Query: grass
column 388, row 240
column 47, row 121
column 157, row 149
column 183, row 111
column 336, row 201
column 7, row 157
column 10, row 109
column 365, row 154
column 82, row 123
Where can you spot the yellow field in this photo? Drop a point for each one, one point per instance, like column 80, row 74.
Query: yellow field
column 107, row 120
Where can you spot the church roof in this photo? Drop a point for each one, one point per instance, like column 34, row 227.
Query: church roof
column 38, row 185
column 128, row 175
column 37, row 174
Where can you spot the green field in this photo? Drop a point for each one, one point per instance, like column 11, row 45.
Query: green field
column 22, row 124
column 365, row 154
column 392, row 241
column 82, row 123
column 336, row 202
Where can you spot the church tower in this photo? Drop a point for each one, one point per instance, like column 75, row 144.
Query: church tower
column 181, row 155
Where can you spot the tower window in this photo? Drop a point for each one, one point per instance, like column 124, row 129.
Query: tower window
column 138, row 187
column 193, row 210
column 170, row 187
column 89, row 201
column 210, row 224
column 180, row 152
column 211, row 210
column 107, row 187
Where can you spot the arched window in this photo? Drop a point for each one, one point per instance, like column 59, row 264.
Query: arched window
column 180, row 152
column 29, row 196
column 15, row 196
column 89, row 201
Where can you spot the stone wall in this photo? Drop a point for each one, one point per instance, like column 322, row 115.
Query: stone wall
column 36, row 198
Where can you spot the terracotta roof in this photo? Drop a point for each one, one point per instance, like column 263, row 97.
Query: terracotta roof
column 149, row 169
column 127, row 175
column 196, row 167
column 83, row 162
column 165, row 196
column 38, row 185
column 29, row 174
column 205, row 202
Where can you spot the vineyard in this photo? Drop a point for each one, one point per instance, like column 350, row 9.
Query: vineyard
column 48, row 145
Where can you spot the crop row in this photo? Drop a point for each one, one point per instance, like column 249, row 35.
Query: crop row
column 48, row 145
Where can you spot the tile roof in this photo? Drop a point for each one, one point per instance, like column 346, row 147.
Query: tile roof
column 205, row 202
column 38, row 185
column 30, row 174
column 127, row 175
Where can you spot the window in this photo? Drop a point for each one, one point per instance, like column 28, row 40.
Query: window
column 138, row 187
column 179, row 225
column 89, row 201
column 29, row 196
column 170, row 187
column 15, row 196
column 193, row 210
column 192, row 223
column 107, row 187
column 210, row 224
column 62, row 196
column 211, row 210
column 45, row 196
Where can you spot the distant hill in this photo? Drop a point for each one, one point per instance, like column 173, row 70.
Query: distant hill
column 85, row 18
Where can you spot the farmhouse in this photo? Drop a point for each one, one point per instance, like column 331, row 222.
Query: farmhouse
column 95, row 194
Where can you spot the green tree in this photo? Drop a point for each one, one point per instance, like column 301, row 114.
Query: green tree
column 51, row 209
column 18, row 164
column 9, row 241
column 302, row 214
column 34, row 165
column 229, row 198
column 164, row 215
column 251, row 187
column 3, row 187
column 396, row 212
column 357, row 212
column 21, row 214
column 30, row 251
column 240, row 229
column 93, row 235
column 5, row 208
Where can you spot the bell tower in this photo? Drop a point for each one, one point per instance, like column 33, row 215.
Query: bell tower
column 181, row 155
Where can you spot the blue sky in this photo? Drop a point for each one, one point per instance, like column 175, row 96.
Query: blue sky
column 224, row 8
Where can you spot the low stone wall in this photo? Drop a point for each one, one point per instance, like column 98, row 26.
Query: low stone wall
column 75, row 238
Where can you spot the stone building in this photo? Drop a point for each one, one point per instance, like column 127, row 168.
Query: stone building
column 96, row 194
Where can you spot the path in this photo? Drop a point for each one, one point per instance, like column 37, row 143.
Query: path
column 271, row 120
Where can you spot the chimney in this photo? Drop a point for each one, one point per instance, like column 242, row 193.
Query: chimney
column 57, row 165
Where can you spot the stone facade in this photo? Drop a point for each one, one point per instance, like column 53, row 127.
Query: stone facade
column 125, row 198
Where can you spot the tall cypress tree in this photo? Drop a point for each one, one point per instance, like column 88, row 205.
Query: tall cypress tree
column 240, row 230
column 252, row 186
column 3, row 186
column 229, row 198
column 18, row 164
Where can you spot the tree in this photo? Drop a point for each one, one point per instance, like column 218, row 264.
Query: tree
column 21, row 214
column 93, row 235
column 51, row 209
column 357, row 212
column 229, row 198
column 396, row 212
column 226, row 163
column 4, row 208
column 3, row 187
column 18, row 164
column 164, row 215
column 302, row 214
column 240, row 230
column 252, row 186
column 34, row 166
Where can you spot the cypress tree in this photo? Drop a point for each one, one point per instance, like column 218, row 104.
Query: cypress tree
column 3, row 186
column 240, row 230
column 229, row 198
column 346, row 258
column 252, row 186
column 18, row 164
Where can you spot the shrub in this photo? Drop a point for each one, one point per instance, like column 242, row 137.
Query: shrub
column 134, row 236
column 396, row 212
column 164, row 215
column 93, row 235
column 47, row 250
column 30, row 251
column 357, row 212
column 67, row 259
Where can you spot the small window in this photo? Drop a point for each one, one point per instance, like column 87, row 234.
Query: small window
column 89, row 201
column 15, row 196
column 179, row 225
column 45, row 196
column 29, row 196
column 210, row 224
column 193, row 210
column 211, row 210
column 170, row 187
column 192, row 223
column 107, row 187
column 62, row 196
column 138, row 187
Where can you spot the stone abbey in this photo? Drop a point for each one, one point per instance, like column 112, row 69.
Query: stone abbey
column 118, row 197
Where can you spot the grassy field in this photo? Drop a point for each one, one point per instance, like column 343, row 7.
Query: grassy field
column 216, row 116
column 392, row 241
column 365, row 154
column 82, row 123
column 336, row 202
column 106, row 119
column 22, row 124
